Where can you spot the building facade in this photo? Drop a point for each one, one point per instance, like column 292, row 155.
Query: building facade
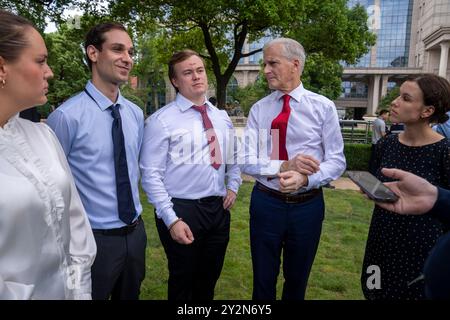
column 413, row 37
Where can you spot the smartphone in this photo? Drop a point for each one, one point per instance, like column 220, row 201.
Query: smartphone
column 374, row 188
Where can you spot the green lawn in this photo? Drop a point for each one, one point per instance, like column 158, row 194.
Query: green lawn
column 336, row 270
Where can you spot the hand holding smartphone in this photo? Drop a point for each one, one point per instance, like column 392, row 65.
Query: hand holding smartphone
column 374, row 188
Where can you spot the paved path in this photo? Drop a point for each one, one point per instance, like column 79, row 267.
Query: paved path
column 341, row 183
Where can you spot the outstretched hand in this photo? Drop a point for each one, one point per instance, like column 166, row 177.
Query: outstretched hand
column 416, row 195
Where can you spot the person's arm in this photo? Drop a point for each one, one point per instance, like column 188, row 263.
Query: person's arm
column 254, row 160
column 152, row 163
column 233, row 173
column 441, row 208
column 60, row 125
column 416, row 195
column 82, row 248
column 333, row 163
column 383, row 128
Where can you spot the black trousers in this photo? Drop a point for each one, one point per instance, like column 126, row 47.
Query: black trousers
column 119, row 267
column 194, row 269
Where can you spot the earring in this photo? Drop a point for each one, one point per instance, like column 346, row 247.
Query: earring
column 3, row 83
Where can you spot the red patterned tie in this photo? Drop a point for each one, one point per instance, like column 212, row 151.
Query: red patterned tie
column 214, row 146
column 280, row 123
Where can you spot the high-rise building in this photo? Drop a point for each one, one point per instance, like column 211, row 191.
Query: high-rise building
column 413, row 37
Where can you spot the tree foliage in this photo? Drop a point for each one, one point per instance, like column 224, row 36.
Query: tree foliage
column 389, row 97
column 218, row 29
column 67, row 61
column 38, row 11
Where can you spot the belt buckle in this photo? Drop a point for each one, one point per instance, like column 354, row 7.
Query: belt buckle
column 290, row 199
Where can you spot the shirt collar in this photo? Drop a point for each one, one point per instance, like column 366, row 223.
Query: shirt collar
column 296, row 94
column 100, row 99
column 184, row 103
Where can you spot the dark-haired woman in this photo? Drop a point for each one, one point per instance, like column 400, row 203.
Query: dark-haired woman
column 398, row 245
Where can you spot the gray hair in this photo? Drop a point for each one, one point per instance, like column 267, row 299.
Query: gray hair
column 291, row 49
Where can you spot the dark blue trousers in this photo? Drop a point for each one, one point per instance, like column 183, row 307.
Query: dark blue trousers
column 276, row 227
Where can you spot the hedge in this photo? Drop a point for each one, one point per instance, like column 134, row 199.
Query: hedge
column 357, row 156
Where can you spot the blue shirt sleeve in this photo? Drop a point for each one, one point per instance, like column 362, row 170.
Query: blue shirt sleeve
column 441, row 209
column 59, row 124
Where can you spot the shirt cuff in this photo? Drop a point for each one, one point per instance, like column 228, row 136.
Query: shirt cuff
column 234, row 185
column 313, row 182
column 272, row 169
column 169, row 216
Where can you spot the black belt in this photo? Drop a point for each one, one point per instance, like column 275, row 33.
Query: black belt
column 286, row 197
column 123, row 231
column 202, row 200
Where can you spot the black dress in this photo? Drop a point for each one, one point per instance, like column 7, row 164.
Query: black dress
column 399, row 244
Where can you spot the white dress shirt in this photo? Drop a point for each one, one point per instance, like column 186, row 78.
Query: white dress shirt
column 313, row 129
column 175, row 156
column 46, row 242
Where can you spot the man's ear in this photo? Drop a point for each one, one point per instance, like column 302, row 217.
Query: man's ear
column 92, row 53
column 296, row 63
column 174, row 82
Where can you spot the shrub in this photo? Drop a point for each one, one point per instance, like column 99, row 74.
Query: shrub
column 357, row 156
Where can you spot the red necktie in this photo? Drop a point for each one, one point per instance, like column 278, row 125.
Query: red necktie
column 280, row 123
column 214, row 146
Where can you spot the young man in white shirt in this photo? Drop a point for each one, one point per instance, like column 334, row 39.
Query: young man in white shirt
column 293, row 147
column 188, row 180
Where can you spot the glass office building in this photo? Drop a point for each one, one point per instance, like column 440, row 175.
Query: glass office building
column 391, row 21
column 393, row 31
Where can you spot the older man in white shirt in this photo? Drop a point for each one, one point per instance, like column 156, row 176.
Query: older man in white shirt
column 293, row 146
column 188, row 179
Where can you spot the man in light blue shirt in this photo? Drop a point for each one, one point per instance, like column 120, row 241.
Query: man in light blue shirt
column 84, row 126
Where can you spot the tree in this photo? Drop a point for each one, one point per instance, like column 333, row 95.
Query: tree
column 331, row 33
column 66, row 58
column 389, row 97
column 38, row 11
column 218, row 29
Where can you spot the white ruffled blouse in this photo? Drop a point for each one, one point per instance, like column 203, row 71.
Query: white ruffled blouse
column 46, row 242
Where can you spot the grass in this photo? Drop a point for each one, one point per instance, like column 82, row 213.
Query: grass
column 336, row 271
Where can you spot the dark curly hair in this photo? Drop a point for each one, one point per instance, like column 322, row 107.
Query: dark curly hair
column 436, row 93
